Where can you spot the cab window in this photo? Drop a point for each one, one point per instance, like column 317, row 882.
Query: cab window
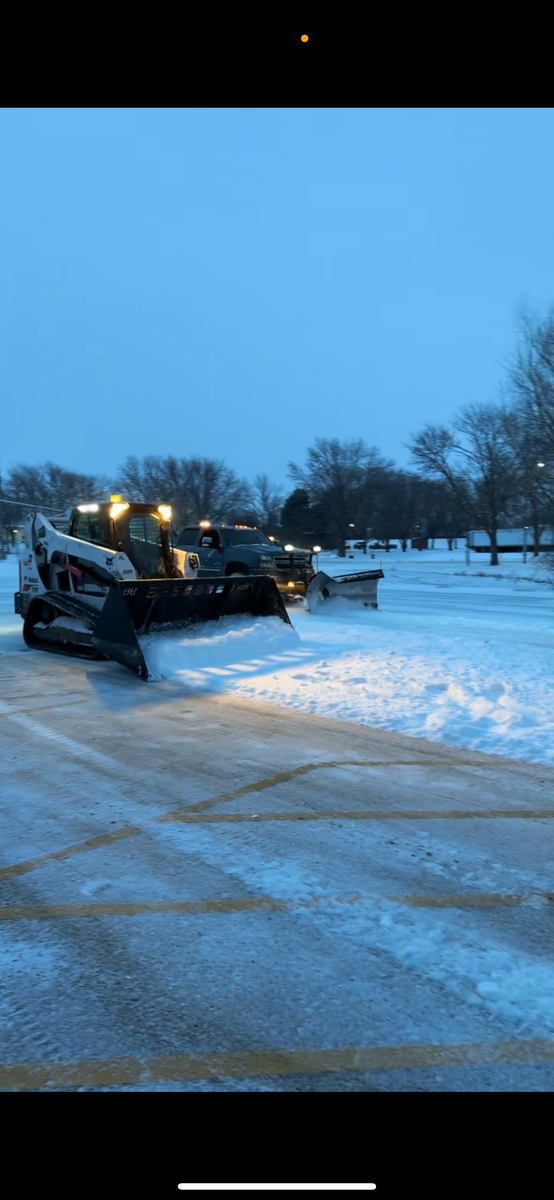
column 92, row 527
column 189, row 536
column 210, row 538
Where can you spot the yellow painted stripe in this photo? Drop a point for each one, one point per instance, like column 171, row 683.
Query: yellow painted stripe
column 172, row 1068
column 43, row 860
column 230, row 904
column 16, row 712
column 368, row 815
column 475, row 900
column 132, row 908
column 105, row 839
column 260, row 785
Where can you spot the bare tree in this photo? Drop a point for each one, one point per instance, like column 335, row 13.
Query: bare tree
column 48, row 486
column 303, row 523
column 531, row 378
column 339, row 477
column 476, row 461
column 155, row 478
column 533, row 474
column 440, row 512
column 399, row 506
column 197, row 488
column 267, row 502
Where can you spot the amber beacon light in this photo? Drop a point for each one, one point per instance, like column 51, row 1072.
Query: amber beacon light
column 304, row 37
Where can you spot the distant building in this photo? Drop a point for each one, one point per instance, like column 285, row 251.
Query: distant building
column 510, row 540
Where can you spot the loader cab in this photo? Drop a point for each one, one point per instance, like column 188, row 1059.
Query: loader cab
column 141, row 531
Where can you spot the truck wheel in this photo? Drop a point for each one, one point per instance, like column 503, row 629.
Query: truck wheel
column 238, row 575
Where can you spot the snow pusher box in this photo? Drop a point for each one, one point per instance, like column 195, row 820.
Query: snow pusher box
column 114, row 577
column 359, row 588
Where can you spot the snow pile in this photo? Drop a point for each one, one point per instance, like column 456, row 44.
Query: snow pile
column 442, row 689
column 209, row 654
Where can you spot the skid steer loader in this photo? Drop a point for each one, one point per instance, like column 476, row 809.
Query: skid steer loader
column 359, row 589
column 111, row 575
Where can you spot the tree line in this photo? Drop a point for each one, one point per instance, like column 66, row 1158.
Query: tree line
column 492, row 466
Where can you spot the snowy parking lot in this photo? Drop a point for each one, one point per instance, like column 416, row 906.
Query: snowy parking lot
column 457, row 653
column 201, row 889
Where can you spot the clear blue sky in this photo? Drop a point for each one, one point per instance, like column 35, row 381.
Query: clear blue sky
column 236, row 282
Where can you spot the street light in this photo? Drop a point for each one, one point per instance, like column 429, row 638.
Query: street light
column 541, row 464
column 316, row 550
column 525, row 528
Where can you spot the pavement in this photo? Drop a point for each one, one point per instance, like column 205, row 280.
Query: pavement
column 210, row 894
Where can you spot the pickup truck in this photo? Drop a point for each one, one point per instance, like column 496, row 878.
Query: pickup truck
column 241, row 550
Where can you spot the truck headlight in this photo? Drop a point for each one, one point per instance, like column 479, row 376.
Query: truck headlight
column 266, row 560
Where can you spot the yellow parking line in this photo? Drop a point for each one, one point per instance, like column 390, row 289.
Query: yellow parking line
column 201, row 806
column 43, row 860
column 272, row 781
column 16, row 712
column 132, row 908
column 174, row 1068
column 475, row 900
column 229, row 904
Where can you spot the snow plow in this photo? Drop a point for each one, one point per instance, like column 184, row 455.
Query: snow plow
column 114, row 577
column 359, row 589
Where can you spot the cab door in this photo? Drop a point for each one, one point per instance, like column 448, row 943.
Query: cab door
column 211, row 551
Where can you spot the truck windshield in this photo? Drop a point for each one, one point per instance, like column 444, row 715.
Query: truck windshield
column 247, row 537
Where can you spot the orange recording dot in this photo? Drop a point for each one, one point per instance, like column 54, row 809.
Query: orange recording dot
column 304, row 37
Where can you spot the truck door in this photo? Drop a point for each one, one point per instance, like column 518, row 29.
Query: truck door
column 211, row 551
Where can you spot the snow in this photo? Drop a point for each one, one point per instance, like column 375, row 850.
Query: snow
column 232, row 644
column 79, row 626
column 512, row 985
column 457, row 652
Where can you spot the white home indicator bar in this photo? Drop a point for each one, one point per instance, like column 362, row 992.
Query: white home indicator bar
column 277, row 1187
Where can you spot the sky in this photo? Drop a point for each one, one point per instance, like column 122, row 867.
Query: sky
column 234, row 283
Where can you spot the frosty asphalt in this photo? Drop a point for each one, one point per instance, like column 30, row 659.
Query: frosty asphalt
column 205, row 892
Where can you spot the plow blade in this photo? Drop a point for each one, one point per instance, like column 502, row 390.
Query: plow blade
column 360, row 589
column 159, row 606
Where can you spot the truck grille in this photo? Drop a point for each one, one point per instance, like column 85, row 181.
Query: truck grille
column 285, row 561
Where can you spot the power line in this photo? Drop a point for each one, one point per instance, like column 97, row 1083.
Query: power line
column 35, row 507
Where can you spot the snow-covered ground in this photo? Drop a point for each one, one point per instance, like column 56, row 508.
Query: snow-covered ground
column 196, row 878
column 459, row 653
